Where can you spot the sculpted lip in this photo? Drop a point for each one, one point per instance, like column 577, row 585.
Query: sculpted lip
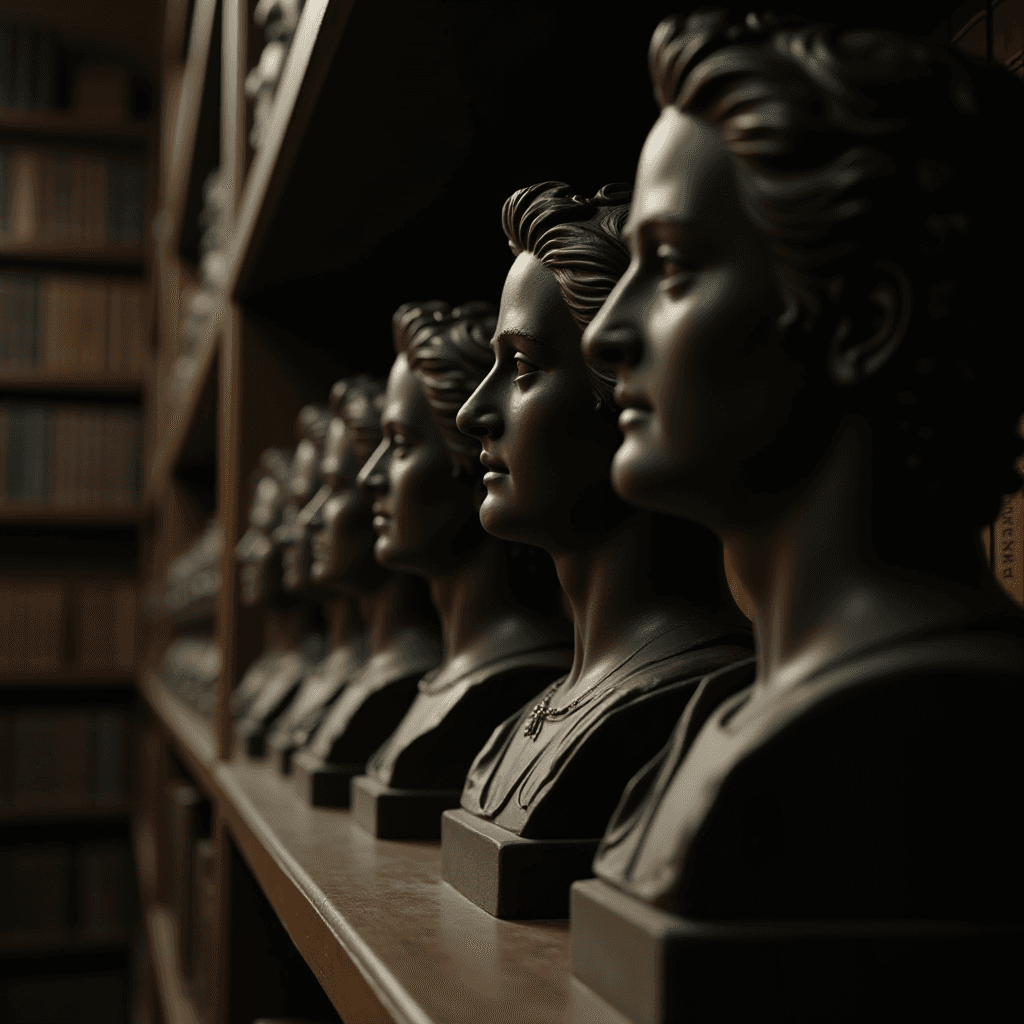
column 493, row 464
column 381, row 520
column 636, row 410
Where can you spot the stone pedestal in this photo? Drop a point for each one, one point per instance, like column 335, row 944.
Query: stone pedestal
column 250, row 738
column 320, row 784
column 400, row 813
column 281, row 751
column 507, row 875
column 656, row 968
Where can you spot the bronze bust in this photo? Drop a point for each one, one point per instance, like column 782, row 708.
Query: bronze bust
column 260, row 574
column 651, row 606
column 504, row 637
column 811, row 357
column 288, row 607
column 401, row 640
column 348, row 437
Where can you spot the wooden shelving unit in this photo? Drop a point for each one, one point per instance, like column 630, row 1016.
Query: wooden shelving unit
column 70, row 546
column 380, row 179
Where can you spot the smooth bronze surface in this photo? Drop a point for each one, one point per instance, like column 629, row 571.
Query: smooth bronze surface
column 651, row 608
column 504, row 638
column 809, row 342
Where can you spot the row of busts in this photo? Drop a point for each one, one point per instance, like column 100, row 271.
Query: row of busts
column 784, row 341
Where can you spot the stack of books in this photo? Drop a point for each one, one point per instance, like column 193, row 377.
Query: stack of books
column 65, row 323
column 35, row 633
column 56, row 759
column 70, row 196
column 58, row 894
column 65, row 454
column 28, row 67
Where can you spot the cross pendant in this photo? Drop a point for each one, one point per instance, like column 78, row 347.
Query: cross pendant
column 536, row 719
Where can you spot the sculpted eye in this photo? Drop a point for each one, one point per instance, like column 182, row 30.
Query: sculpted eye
column 674, row 271
column 524, row 366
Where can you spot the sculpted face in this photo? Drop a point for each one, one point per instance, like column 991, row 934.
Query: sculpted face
column 341, row 530
column 547, row 447
column 424, row 515
column 704, row 379
column 256, row 548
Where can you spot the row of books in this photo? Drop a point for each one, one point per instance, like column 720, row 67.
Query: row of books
column 28, row 67
column 193, row 886
column 96, row 998
column 67, row 758
column 67, row 323
column 58, row 894
column 36, row 636
column 51, row 195
column 68, row 454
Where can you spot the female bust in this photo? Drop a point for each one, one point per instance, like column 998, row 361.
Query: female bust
column 349, row 437
column 504, row 638
column 293, row 616
column 810, row 353
column 260, row 575
column 347, row 717
column 651, row 606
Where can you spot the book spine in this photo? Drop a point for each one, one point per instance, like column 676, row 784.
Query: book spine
column 110, row 784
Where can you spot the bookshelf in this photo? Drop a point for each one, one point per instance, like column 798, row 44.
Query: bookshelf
column 75, row 326
column 346, row 209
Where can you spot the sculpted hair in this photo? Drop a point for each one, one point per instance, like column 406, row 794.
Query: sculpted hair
column 359, row 402
column 311, row 424
column 580, row 242
column 856, row 147
column 449, row 350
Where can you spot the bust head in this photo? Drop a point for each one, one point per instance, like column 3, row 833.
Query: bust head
column 310, row 433
column 341, row 527
column 424, row 476
column 818, row 230
column 258, row 552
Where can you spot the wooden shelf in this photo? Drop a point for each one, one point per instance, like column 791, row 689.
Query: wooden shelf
column 161, row 932
column 67, row 253
column 60, row 124
column 191, row 734
column 39, row 381
column 78, row 677
column 387, row 939
column 50, row 811
column 320, row 28
column 72, row 515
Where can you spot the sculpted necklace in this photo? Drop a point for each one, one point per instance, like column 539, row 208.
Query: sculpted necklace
column 542, row 711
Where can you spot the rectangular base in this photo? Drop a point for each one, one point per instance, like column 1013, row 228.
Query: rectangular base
column 250, row 739
column 322, row 785
column 655, row 967
column 507, row 875
column 281, row 756
column 400, row 813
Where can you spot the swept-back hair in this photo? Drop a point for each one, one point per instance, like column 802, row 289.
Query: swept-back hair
column 449, row 350
column 580, row 241
column 855, row 147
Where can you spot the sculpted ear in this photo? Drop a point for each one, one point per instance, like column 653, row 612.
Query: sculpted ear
column 873, row 324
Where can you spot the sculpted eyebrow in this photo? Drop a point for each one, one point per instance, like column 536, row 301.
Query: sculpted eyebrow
column 514, row 332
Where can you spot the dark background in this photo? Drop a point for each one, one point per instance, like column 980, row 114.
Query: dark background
column 431, row 116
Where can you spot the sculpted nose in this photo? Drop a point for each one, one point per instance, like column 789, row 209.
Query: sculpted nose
column 612, row 347
column 373, row 476
column 477, row 418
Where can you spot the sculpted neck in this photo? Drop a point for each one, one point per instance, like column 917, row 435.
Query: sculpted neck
column 480, row 617
column 398, row 613
column 344, row 627
column 819, row 589
column 618, row 605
